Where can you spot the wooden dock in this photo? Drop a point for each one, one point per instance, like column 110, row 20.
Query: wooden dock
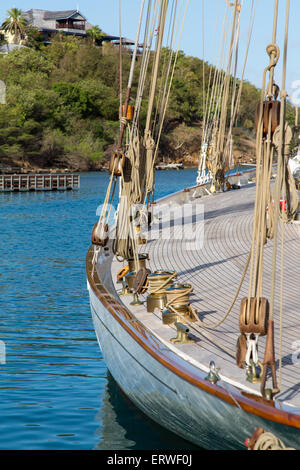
column 39, row 182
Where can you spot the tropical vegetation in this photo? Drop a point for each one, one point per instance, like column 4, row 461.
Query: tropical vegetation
column 63, row 100
column 15, row 24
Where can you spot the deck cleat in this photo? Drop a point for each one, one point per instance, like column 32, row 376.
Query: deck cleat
column 136, row 300
column 213, row 376
column 125, row 290
column 182, row 334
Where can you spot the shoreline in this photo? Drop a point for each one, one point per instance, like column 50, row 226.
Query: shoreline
column 105, row 169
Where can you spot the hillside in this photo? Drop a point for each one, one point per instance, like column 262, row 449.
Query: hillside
column 63, row 99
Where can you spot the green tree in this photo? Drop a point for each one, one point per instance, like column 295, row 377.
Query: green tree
column 96, row 34
column 33, row 38
column 15, row 24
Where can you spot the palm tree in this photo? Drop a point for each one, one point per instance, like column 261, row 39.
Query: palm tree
column 95, row 33
column 15, row 24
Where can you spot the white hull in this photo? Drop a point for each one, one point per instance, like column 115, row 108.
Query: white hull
column 171, row 401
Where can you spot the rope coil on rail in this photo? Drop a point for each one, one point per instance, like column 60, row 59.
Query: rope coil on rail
column 264, row 440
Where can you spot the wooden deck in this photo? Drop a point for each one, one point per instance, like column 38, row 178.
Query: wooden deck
column 39, row 182
column 215, row 272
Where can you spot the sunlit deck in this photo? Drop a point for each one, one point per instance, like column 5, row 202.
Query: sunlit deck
column 215, row 271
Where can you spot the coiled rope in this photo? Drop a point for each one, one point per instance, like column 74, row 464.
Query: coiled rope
column 158, row 286
column 268, row 441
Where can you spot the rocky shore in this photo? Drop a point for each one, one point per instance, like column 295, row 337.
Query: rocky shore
column 180, row 146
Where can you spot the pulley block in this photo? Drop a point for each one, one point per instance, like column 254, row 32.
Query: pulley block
column 117, row 164
column 254, row 315
column 271, row 109
column 102, row 239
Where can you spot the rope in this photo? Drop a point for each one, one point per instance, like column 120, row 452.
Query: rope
column 268, row 441
column 158, row 286
column 218, row 158
column 216, row 325
column 214, row 138
column 183, row 296
column 120, row 63
column 169, row 90
column 194, row 326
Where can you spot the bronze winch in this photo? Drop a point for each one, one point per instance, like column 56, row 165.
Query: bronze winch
column 178, row 304
column 132, row 262
column 159, row 281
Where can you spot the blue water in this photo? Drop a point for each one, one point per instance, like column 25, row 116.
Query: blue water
column 55, row 390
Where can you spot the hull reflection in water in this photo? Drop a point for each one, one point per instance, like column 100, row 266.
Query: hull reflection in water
column 124, row 427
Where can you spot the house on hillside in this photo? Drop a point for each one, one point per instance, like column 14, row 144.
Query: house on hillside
column 51, row 22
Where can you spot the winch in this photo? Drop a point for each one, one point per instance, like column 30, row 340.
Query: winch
column 178, row 304
column 132, row 262
column 159, row 281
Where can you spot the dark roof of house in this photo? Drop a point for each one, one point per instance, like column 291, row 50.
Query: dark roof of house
column 41, row 17
column 61, row 15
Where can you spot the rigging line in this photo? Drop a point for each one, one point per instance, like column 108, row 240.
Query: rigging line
column 160, row 34
column 148, row 139
column 203, row 55
column 120, row 60
column 155, row 33
column 217, row 91
column 218, row 72
column 174, row 35
column 165, row 69
column 221, row 134
column 169, row 40
column 252, row 17
column 209, row 85
column 281, row 159
column 228, row 144
column 148, row 37
column 152, row 14
column 259, row 149
column 275, row 22
column 217, row 160
column 238, row 99
column 281, row 305
column 216, row 325
column 170, row 84
column 130, row 79
column 263, row 155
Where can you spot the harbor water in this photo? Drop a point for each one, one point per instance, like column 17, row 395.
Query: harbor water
column 55, row 390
